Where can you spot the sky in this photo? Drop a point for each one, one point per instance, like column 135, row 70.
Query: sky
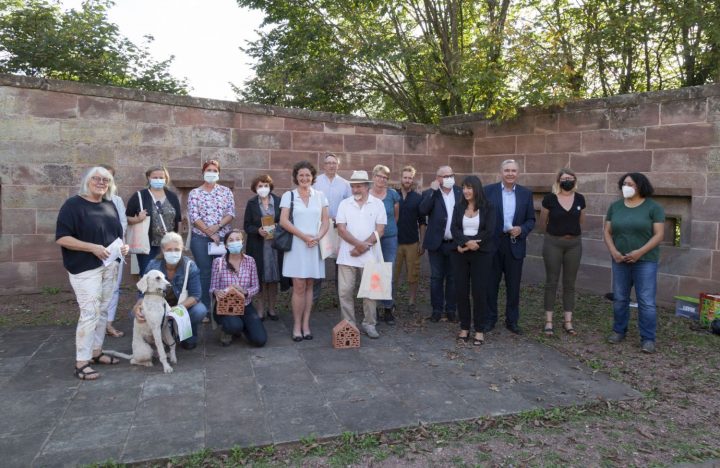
column 205, row 37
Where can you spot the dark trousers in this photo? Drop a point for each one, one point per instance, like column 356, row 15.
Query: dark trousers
column 560, row 253
column 248, row 324
column 472, row 273
column 504, row 263
column 442, row 281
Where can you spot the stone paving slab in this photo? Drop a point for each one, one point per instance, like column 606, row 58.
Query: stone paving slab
column 222, row 397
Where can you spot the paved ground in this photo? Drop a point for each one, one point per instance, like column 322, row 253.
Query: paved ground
column 220, row 397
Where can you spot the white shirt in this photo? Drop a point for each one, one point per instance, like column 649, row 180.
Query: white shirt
column 471, row 226
column 449, row 199
column 360, row 221
column 335, row 191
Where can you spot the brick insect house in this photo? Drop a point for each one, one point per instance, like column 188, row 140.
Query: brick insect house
column 345, row 335
column 232, row 304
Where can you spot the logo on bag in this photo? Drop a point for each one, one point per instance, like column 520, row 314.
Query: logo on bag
column 375, row 283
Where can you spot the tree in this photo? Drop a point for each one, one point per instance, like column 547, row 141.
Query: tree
column 38, row 39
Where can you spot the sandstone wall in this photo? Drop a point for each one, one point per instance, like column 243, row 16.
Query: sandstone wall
column 51, row 131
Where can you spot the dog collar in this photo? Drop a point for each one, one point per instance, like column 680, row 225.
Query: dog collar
column 151, row 293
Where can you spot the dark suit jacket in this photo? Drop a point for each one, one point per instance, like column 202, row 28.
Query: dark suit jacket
column 433, row 206
column 255, row 242
column 486, row 233
column 524, row 215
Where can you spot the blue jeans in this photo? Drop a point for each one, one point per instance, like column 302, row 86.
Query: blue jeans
column 642, row 275
column 442, row 281
column 199, row 248
column 144, row 259
column 197, row 313
column 249, row 324
column 389, row 247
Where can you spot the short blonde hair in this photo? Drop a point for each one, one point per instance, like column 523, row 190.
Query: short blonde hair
column 409, row 169
column 380, row 168
column 152, row 169
column 561, row 172
column 171, row 237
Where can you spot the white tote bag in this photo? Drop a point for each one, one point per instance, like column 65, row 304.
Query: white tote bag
column 376, row 280
column 330, row 243
column 137, row 235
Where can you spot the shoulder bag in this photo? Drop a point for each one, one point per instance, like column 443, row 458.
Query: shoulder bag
column 282, row 239
column 137, row 235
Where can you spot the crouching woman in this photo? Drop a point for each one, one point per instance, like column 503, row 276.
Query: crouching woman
column 174, row 265
column 238, row 271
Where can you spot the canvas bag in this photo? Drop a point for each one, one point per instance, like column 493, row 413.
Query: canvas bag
column 330, row 243
column 137, row 234
column 184, row 292
column 376, row 280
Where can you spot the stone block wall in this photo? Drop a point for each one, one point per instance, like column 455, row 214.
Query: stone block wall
column 52, row 131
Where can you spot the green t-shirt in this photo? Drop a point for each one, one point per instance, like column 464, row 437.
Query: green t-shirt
column 633, row 227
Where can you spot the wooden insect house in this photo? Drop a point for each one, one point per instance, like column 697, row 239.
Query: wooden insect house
column 232, row 304
column 345, row 335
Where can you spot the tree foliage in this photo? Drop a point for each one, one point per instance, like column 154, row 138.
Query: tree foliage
column 424, row 59
column 37, row 38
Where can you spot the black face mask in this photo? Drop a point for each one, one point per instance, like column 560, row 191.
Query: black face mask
column 567, row 185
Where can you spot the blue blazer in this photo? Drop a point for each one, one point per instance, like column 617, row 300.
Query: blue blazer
column 524, row 215
column 433, row 206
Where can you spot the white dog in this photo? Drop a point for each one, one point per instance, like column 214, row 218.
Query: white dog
column 153, row 330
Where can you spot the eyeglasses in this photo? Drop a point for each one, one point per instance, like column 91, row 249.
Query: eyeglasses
column 449, row 176
column 568, row 179
column 100, row 180
column 381, row 176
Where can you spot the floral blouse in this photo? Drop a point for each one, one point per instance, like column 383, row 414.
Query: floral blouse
column 211, row 207
column 246, row 277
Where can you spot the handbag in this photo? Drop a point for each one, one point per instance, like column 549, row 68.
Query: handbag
column 184, row 292
column 137, row 235
column 282, row 239
column 376, row 282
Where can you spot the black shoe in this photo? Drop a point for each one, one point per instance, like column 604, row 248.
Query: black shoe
column 514, row 328
column 389, row 318
column 308, row 336
column 452, row 318
column 273, row 317
column 297, row 338
column 434, row 318
column 188, row 346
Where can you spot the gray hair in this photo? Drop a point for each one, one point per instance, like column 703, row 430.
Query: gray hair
column 508, row 161
column 102, row 172
column 171, row 237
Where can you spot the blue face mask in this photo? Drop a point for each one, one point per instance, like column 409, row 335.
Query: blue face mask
column 157, row 183
column 235, row 247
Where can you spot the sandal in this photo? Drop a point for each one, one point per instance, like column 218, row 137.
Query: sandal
column 112, row 360
column 569, row 328
column 548, row 330
column 464, row 338
column 114, row 332
column 83, row 374
column 478, row 341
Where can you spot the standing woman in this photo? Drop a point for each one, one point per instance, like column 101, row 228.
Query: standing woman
column 237, row 270
column 634, row 228
column 162, row 206
column 389, row 240
column 472, row 228
column 562, row 214
column 259, row 243
column 88, row 223
column 211, row 209
column 303, row 262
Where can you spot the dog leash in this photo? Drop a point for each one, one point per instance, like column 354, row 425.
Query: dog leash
column 174, row 333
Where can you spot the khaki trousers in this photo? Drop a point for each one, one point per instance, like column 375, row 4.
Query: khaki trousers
column 346, row 290
column 93, row 291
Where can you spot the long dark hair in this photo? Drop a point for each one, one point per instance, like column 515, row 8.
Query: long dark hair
column 478, row 193
column 645, row 188
column 227, row 253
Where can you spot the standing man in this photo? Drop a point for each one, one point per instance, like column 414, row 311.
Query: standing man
column 336, row 189
column 437, row 204
column 358, row 220
column 411, row 231
column 515, row 218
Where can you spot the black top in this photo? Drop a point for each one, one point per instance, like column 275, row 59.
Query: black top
column 97, row 223
column 409, row 220
column 485, row 233
column 133, row 207
column 255, row 243
column 562, row 222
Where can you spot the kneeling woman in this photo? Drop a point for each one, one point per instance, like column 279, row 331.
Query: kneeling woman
column 237, row 270
column 173, row 264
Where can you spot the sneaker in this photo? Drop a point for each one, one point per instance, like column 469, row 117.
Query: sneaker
column 389, row 318
column 370, row 331
column 648, row 347
column 225, row 338
column 615, row 338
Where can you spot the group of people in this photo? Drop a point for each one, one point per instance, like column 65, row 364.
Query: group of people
column 475, row 237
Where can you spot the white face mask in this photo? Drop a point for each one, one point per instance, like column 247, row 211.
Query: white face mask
column 211, row 177
column 172, row 257
column 448, row 182
column 263, row 191
column 627, row 191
